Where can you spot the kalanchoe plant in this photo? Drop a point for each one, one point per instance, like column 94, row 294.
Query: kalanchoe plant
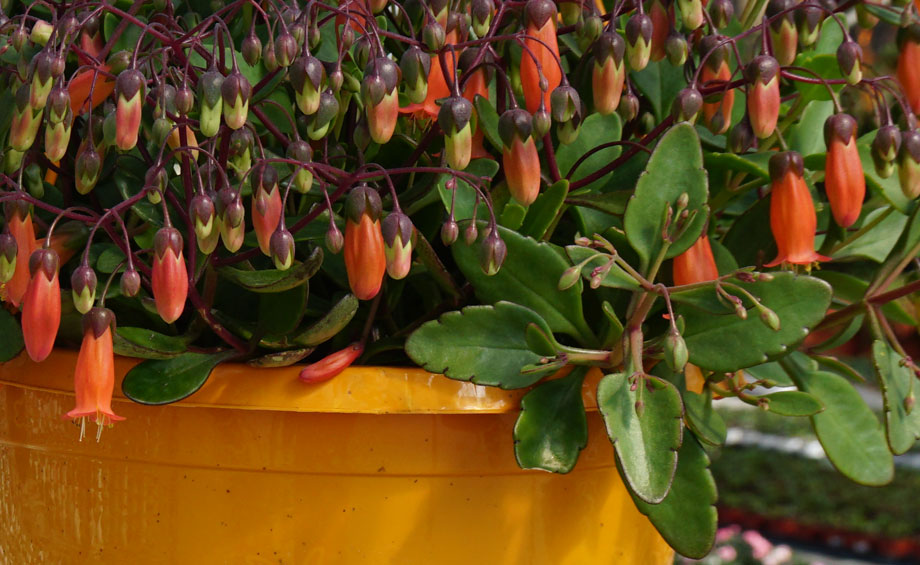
column 562, row 197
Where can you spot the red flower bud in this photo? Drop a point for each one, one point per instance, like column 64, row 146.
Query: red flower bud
column 696, row 264
column 662, row 21
column 130, row 88
column 94, row 376
column 717, row 109
column 843, row 177
column 608, row 73
column 792, row 212
column 541, row 25
column 365, row 257
column 763, row 95
column 19, row 223
column 41, row 305
column 784, row 34
column 521, row 163
column 170, row 276
column 332, row 364
column 381, row 98
column 266, row 204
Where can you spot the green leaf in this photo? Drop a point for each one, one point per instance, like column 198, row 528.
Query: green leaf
column 163, row 381
column 659, row 82
column 465, row 198
column 720, row 341
column 528, row 277
column 12, row 342
column 488, row 120
column 483, row 344
column 613, row 203
column 793, row 403
column 769, row 371
column 897, row 384
column 702, row 419
column 595, row 131
column 330, row 324
column 824, row 65
column 887, row 14
column 804, row 137
column 687, row 518
column 749, row 238
column 616, row 277
column 849, row 289
column 513, row 215
column 675, row 168
column 552, row 427
column 848, row 430
column 147, row 344
column 281, row 312
column 752, row 163
column 876, row 243
column 542, row 213
column 273, row 280
column 646, row 445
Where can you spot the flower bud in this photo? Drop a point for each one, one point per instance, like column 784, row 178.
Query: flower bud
column 41, row 32
column 301, row 151
column 808, row 18
column 415, row 65
column 285, row 49
column 209, row 92
column 307, row 74
column 25, row 122
column 8, row 253
column 520, row 159
column 843, row 177
column 41, row 305
column 130, row 283
column 676, row 354
column 230, row 214
column 170, row 277
column 397, row 238
column 849, row 55
column 908, row 63
column 129, row 92
column 638, row 41
column 365, row 257
column 691, row 12
column 382, row 102
column 433, row 35
column 687, row 105
column 184, row 100
column 470, row 233
column 42, row 78
column 676, row 49
column 454, row 120
column 628, row 108
column 235, row 92
column 741, row 137
column 564, row 103
column 783, row 32
column 721, row 12
column 569, row 277
column 203, row 216
column 763, row 99
column 539, row 71
column 322, row 120
column 492, row 253
column 481, row 12
column 18, row 38
column 282, row 249
column 334, row 238
column 267, row 205
column 608, row 73
column 770, row 319
column 885, row 148
column 909, row 164
column 449, row 232
column 268, row 57
column 83, row 288
column 332, row 364
column 87, row 167
column 252, row 49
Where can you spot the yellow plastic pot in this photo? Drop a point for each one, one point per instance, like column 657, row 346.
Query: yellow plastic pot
column 379, row 465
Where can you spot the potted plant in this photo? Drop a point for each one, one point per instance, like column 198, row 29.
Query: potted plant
column 602, row 216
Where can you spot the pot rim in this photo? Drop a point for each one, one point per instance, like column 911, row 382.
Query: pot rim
column 357, row 390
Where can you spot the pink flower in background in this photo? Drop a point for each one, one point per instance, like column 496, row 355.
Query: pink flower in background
column 780, row 554
column 760, row 546
column 727, row 533
column 727, row 554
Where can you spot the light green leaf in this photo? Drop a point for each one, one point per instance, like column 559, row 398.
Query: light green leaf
column 675, row 168
column 465, row 199
column 793, row 403
column 646, row 445
column 552, row 427
column 897, row 382
column 595, row 131
column 542, row 213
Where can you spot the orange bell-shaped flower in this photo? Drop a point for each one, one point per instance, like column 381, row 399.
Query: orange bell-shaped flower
column 843, row 176
column 540, row 40
column 81, row 84
column 365, row 255
column 696, row 264
column 908, row 66
column 19, row 222
column 170, row 275
column 792, row 212
column 520, row 160
column 94, row 376
column 41, row 306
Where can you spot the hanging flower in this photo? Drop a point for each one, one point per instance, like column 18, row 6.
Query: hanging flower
column 843, row 179
column 792, row 212
column 170, row 276
column 541, row 50
column 41, row 305
column 365, row 256
column 94, row 376
column 696, row 264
